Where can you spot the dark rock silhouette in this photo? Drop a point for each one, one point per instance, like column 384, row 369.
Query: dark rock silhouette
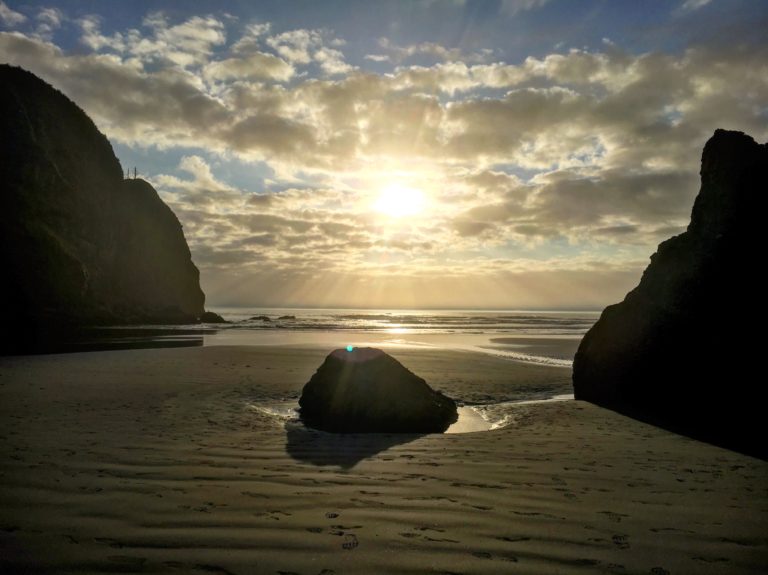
column 367, row 391
column 260, row 318
column 79, row 244
column 679, row 351
column 212, row 317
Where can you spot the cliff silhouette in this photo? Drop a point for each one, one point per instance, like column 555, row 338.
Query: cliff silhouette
column 681, row 350
column 79, row 244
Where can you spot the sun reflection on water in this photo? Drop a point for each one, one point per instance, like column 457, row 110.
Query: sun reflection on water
column 397, row 330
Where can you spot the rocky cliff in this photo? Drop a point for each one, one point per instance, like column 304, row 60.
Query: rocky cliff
column 79, row 244
column 679, row 350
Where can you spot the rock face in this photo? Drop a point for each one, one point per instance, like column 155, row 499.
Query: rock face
column 678, row 351
column 367, row 391
column 80, row 244
column 212, row 317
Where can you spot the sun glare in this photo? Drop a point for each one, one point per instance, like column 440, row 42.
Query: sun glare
column 398, row 201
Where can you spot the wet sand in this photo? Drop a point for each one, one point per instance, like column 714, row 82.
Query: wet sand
column 155, row 461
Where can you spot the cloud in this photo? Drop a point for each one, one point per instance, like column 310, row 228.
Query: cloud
column 332, row 61
column 190, row 42
column 9, row 17
column 512, row 7
column 558, row 164
column 254, row 66
column 560, row 110
column 48, row 21
column 302, row 47
column 398, row 54
column 187, row 44
column 691, row 5
column 251, row 38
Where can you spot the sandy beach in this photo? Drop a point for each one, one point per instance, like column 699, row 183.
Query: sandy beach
column 162, row 461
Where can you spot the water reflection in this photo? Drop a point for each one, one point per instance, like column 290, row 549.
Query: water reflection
column 102, row 339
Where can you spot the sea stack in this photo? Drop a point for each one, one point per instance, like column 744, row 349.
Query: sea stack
column 680, row 351
column 80, row 243
column 365, row 390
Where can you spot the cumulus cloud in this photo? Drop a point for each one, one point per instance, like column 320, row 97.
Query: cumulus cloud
column 250, row 40
column 187, row 44
column 307, row 46
column 592, row 155
column 48, row 21
column 398, row 54
column 9, row 17
column 254, row 66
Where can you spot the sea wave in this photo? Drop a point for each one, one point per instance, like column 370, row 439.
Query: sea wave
column 523, row 323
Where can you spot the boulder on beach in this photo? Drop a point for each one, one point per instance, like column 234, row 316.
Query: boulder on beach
column 211, row 317
column 679, row 351
column 365, row 390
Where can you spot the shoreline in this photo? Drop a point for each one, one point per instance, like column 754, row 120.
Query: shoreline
column 544, row 349
column 150, row 461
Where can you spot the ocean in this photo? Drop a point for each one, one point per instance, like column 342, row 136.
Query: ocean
column 548, row 337
column 542, row 336
column 538, row 337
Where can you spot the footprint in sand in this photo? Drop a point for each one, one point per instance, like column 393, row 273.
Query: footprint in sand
column 670, row 529
column 711, row 559
column 513, row 539
column 114, row 543
column 350, row 542
column 621, row 541
column 743, row 542
column 615, row 517
column 331, row 515
column 430, row 529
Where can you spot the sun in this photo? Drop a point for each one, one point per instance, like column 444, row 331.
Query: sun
column 399, row 201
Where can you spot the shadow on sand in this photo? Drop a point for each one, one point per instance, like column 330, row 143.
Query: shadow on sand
column 341, row 449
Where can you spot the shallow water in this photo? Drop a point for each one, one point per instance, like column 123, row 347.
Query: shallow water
column 542, row 337
column 556, row 351
column 472, row 418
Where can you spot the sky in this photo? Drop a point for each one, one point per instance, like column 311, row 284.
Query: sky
column 503, row 154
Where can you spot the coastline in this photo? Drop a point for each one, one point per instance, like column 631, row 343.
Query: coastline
column 151, row 461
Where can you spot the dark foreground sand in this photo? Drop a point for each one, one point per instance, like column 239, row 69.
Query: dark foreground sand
column 156, row 462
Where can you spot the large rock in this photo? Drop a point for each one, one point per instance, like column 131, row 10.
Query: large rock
column 79, row 244
column 678, row 351
column 212, row 317
column 367, row 391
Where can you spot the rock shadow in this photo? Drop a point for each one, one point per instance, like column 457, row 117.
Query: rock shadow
column 344, row 450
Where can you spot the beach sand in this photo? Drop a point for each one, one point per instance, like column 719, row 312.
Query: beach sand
column 161, row 461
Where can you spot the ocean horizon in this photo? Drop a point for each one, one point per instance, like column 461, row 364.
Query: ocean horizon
column 534, row 336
